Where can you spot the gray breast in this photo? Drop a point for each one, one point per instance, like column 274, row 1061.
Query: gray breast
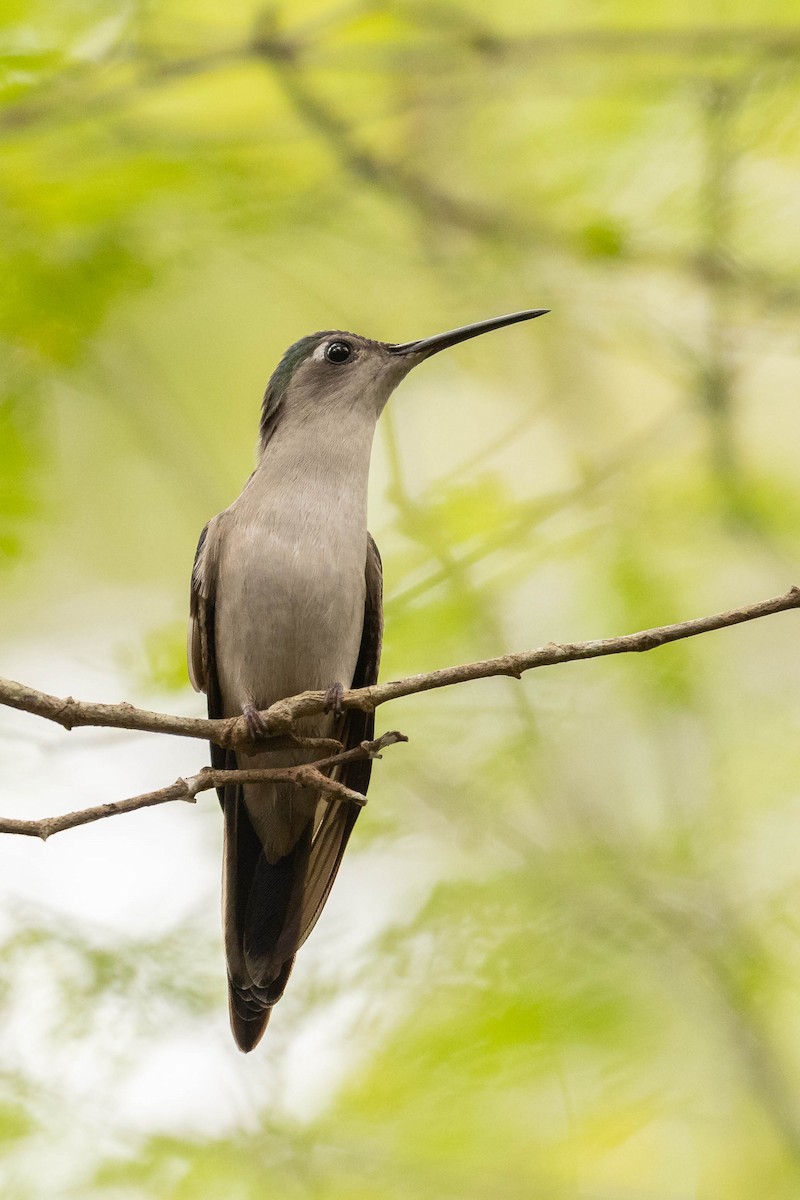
column 289, row 608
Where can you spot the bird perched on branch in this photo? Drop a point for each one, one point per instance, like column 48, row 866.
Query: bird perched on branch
column 286, row 597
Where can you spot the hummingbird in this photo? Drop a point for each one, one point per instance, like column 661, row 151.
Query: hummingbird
column 286, row 596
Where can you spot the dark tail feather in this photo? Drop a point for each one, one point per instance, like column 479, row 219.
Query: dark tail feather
column 247, row 1021
column 250, row 1008
column 272, row 923
column 262, row 918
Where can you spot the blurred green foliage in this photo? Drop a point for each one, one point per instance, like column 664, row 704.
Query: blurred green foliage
column 595, row 993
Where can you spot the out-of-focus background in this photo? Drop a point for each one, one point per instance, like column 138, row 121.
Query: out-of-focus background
column 562, row 959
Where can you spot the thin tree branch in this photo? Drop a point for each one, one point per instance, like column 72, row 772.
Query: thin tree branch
column 233, row 733
column 304, row 775
column 282, row 714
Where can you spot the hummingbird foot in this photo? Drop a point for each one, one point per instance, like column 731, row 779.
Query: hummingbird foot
column 256, row 725
column 333, row 699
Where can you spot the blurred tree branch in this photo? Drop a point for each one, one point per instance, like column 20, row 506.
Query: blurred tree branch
column 72, row 96
column 281, row 717
column 431, row 202
column 529, row 514
column 702, row 41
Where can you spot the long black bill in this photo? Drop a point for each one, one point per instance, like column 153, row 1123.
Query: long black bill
column 425, row 347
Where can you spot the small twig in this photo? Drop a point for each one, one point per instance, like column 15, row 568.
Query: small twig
column 305, row 775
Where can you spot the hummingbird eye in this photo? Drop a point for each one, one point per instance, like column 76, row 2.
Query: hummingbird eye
column 338, row 352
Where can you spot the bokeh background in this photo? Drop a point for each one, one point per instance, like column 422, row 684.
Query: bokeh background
column 562, row 959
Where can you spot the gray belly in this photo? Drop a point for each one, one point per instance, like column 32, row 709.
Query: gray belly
column 289, row 616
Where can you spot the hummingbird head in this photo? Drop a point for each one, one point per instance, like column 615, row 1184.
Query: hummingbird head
column 346, row 372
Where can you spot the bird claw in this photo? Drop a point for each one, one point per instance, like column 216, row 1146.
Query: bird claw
column 256, row 725
column 333, row 700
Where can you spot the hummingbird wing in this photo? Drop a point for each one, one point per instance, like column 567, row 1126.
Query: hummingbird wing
column 200, row 652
